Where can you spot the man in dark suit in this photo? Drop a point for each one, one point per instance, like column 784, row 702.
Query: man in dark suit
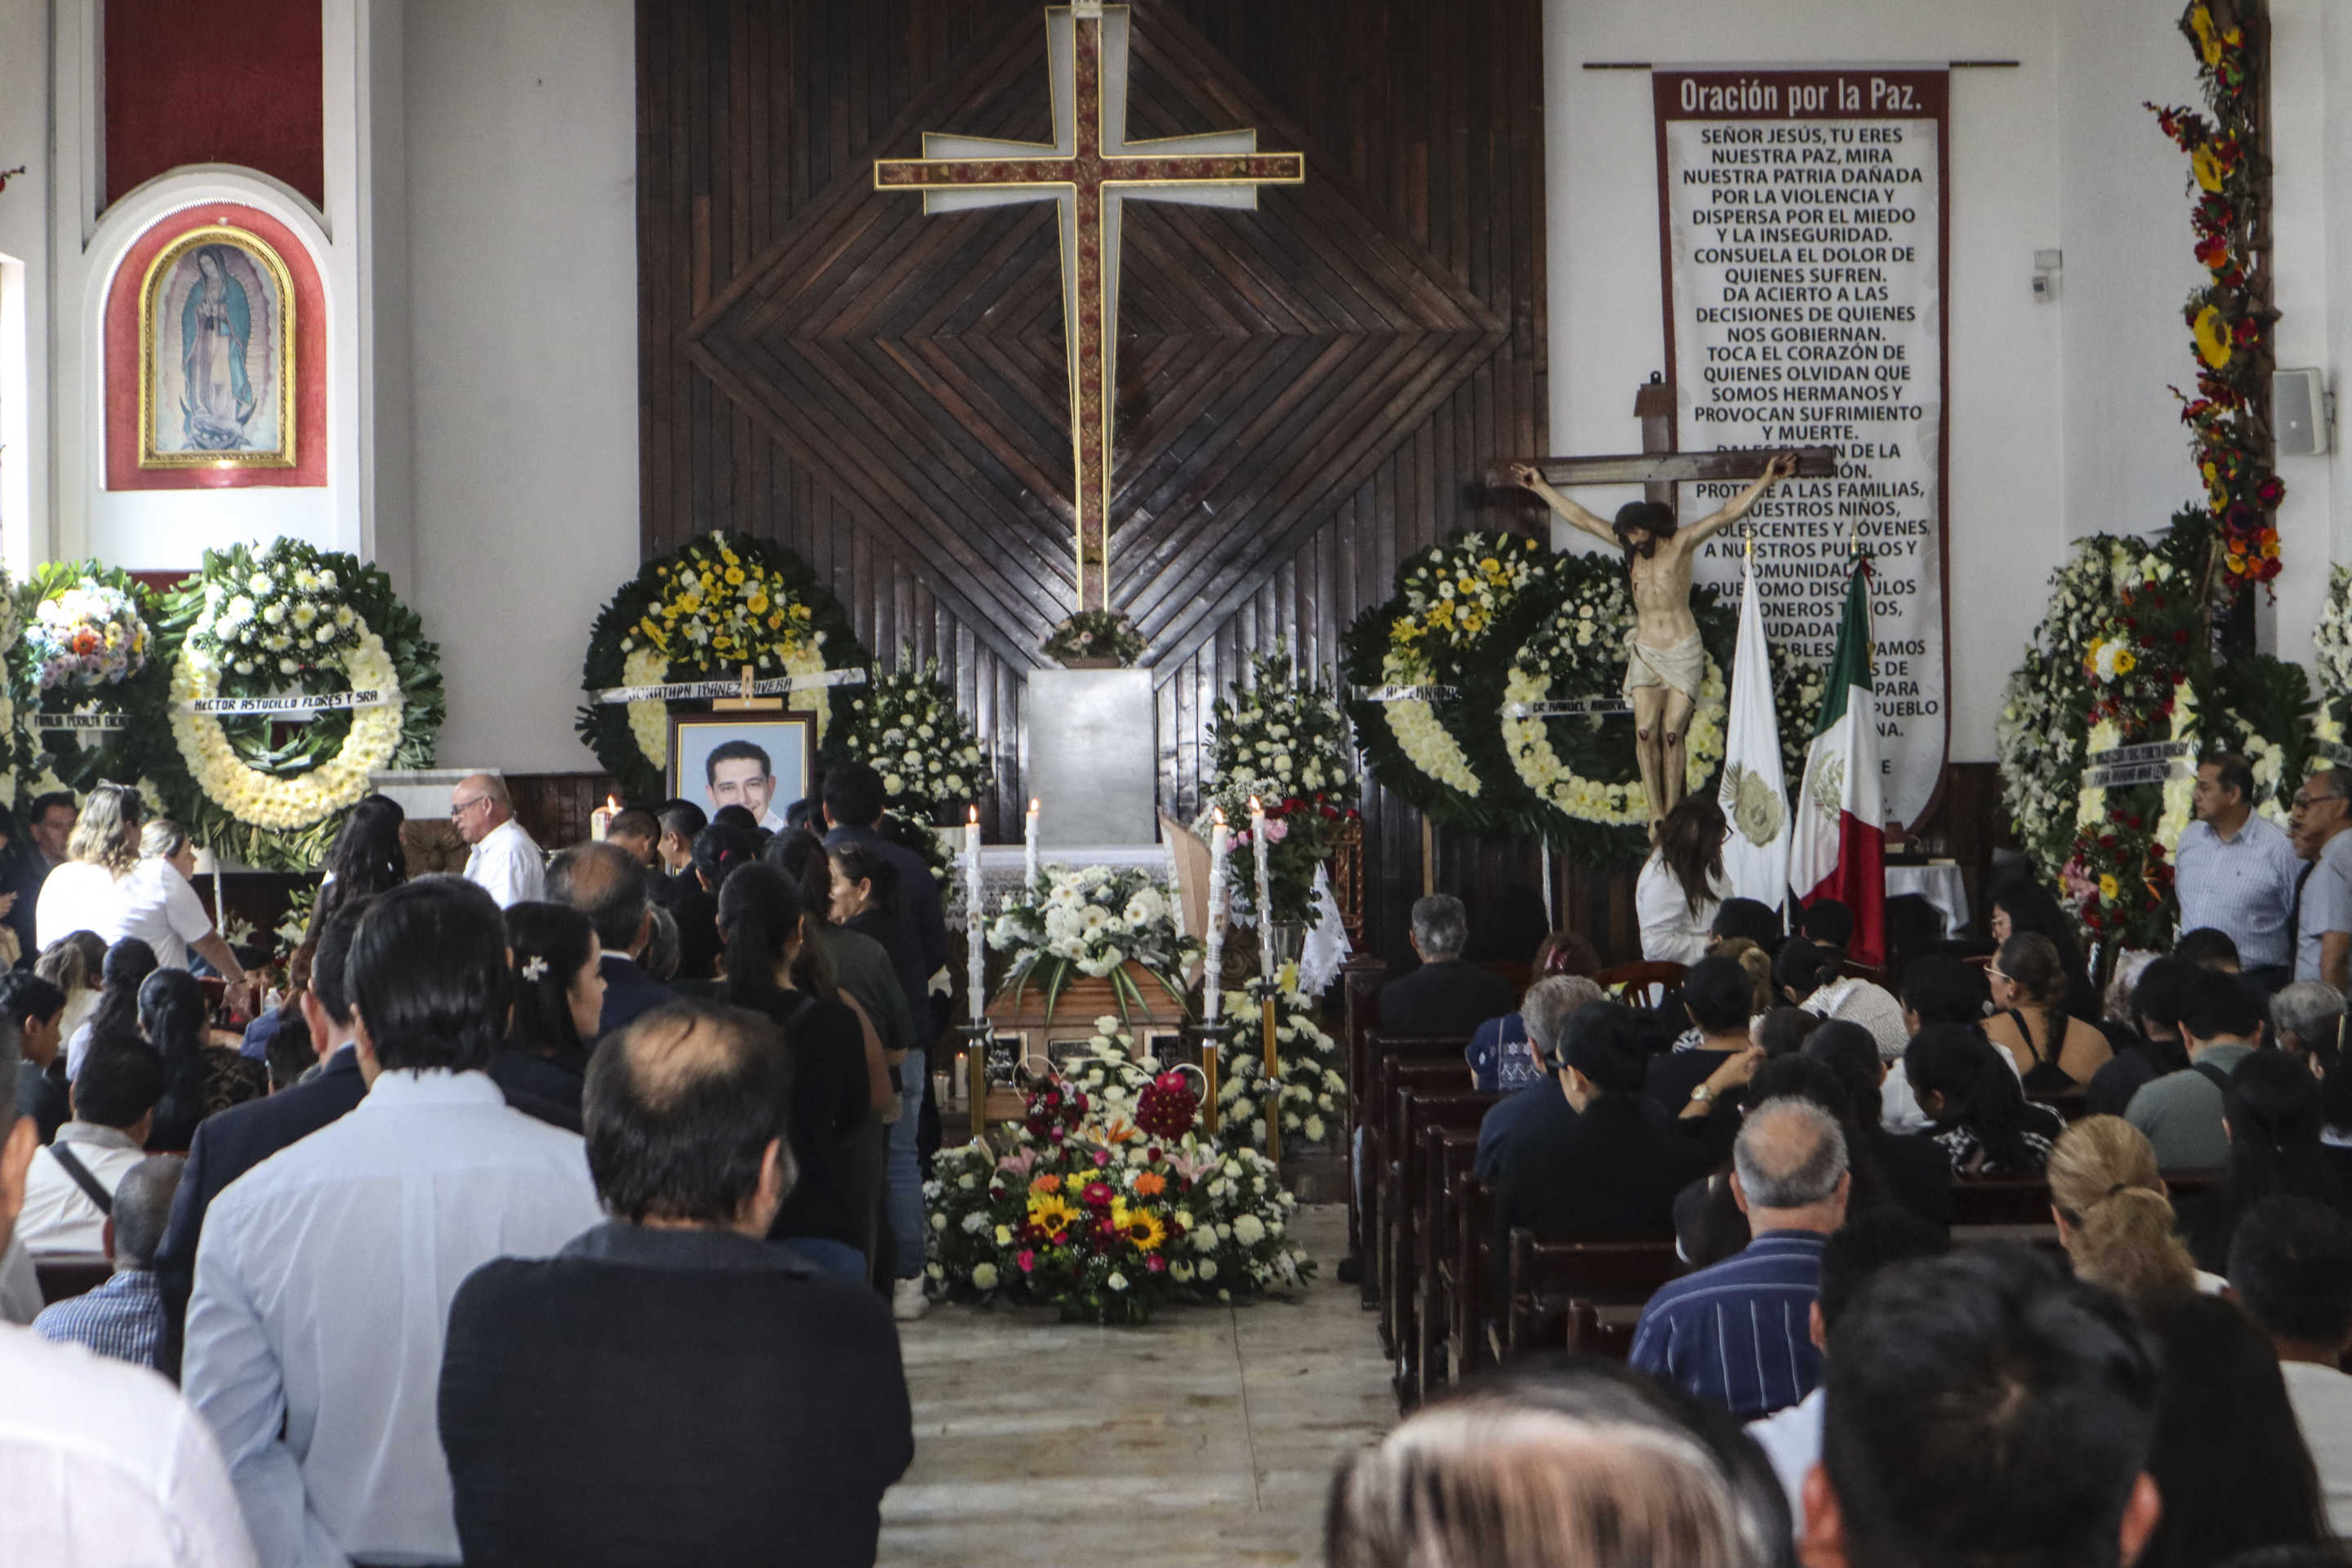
column 852, row 808
column 671, row 1378
column 230, row 1143
column 1444, row 995
column 1613, row 1174
column 1538, row 1113
column 605, row 882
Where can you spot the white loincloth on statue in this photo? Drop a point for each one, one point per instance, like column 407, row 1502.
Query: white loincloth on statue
column 1680, row 668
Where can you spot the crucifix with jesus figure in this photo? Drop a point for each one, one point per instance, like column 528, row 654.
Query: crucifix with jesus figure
column 1089, row 170
column 1664, row 661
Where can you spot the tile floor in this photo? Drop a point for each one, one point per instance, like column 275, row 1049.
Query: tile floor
column 1203, row 1440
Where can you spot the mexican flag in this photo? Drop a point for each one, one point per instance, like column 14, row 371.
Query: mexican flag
column 1839, row 850
column 1755, row 791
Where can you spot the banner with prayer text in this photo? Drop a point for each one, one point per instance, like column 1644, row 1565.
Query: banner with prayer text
column 1803, row 221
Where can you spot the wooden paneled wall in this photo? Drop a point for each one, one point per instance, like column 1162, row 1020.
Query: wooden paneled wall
column 1307, row 393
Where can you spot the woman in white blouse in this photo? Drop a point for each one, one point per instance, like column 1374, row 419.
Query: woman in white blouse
column 108, row 886
column 1682, row 883
column 79, row 894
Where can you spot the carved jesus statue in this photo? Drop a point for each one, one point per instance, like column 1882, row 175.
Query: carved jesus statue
column 1664, row 661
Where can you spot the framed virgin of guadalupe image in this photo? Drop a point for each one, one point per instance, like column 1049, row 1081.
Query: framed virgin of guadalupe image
column 217, row 354
column 760, row 761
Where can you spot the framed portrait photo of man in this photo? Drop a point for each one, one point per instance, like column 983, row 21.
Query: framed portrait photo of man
column 217, row 354
column 760, row 761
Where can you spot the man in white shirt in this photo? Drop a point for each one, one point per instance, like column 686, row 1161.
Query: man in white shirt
column 114, row 1108
column 101, row 1463
column 2291, row 1272
column 739, row 773
column 505, row 864
column 2236, row 872
column 324, row 1274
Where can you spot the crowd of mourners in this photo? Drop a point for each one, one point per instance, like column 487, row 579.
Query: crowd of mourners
column 558, row 1212
column 1836, row 1380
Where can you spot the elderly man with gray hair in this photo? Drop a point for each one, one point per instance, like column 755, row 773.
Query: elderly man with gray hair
column 1538, row 1113
column 2307, row 1017
column 1443, row 996
column 1739, row 1334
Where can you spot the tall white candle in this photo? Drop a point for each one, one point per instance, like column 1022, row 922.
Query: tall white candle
column 1029, row 852
column 1259, row 847
column 976, row 958
column 1213, row 989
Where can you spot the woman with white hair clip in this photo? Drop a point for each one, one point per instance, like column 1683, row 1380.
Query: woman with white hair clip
column 1555, row 1462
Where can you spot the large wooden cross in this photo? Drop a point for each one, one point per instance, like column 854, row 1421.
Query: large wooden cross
column 1089, row 168
column 1657, row 467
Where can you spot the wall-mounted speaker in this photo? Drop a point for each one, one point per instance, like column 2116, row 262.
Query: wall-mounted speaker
column 2300, row 412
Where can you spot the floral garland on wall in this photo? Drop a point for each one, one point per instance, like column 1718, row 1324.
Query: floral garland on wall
column 291, row 620
column 1108, row 1203
column 702, row 612
column 2332, row 663
column 86, row 649
column 1283, row 741
column 2229, row 317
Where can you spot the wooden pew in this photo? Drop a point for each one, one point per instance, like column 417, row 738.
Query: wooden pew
column 1402, row 1228
column 1633, row 982
column 1447, row 1156
column 67, row 1274
column 1361, row 979
column 1367, row 1091
column 1559, row 1291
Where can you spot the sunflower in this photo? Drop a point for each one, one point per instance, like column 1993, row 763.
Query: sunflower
column 2207, row 165
column 1141, row 1227
column 2209, row 42
column 1051, row 1213
column 2212, row 337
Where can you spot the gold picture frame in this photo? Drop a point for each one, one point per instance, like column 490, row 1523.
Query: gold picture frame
column 205, row 281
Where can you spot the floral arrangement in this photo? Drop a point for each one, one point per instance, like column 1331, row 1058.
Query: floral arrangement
column 908, row 726
column 86, row 635
column 291, row 620
column 289, row 614
column 2121, row 658
column 1095, row 634
column 87, row 649
column 1576, row 767
column 2229, row 316
column 1107, row 1203
column 1313, row 1087
column 702, row 612
column 1095, row 922
column 2332, row 663
column 1284, row 742
column 1456, row 602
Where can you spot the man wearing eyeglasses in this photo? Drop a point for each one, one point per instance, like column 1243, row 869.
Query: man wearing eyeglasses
column 2323, row 912
column 2235, row 873
column 506, row 863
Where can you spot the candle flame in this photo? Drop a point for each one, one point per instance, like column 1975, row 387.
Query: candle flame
column 1219, row 813
column 1033, row 806
column 973, row 816
column 612, row 802
column 1256, row 807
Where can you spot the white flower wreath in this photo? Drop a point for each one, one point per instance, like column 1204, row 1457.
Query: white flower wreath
column 1583, row 639
column 266, row 800
column 1420, row 735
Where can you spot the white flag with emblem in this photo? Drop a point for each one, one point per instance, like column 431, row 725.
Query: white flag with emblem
column 1755, row 789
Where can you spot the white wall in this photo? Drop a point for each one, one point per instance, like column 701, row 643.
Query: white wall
column 24, row 281
column 521, row 320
